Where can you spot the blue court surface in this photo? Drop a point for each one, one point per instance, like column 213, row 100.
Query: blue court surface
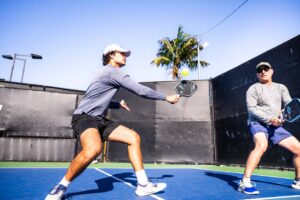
column 110, row 184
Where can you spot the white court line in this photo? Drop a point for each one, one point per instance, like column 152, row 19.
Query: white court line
column 280, row 197
column 126, row 183
column 215, row 170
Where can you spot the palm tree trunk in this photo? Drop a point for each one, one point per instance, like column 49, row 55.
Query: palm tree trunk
column 175, row 73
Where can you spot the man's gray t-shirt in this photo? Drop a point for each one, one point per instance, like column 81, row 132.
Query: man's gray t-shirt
column 102, row 89
column 265, row 101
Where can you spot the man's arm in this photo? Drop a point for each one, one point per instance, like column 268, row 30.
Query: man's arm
column 123, row 80
column 286, row 98
column 118, row 105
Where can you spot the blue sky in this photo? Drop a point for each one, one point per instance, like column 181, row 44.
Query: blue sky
column 71, row 35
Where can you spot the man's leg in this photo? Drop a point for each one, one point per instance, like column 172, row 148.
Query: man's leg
column 261, row 144
column 132, row 139
column 90, row 141
column 293, row 145
column 90, row 148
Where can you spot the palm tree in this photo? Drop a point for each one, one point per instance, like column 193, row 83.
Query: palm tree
column 179, row 52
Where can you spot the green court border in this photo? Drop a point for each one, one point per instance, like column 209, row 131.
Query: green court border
column 263, row 172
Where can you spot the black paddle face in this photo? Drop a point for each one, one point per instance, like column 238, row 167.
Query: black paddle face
column 186, row 88
column 292, row 111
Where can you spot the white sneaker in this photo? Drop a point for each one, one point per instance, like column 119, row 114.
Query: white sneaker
column 149, row 188
column 247, row 187
column 56, row 193
column 95, row 162
column 296, row 185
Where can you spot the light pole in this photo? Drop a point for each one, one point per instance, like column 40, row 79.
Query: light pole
column 199, row 48
column 23, row 71
column 15, row 57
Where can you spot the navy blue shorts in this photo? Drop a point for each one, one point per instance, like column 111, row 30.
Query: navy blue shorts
column 83, row 121
column 274, row 133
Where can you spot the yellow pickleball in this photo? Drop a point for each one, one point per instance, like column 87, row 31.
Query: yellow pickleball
column 185, row 72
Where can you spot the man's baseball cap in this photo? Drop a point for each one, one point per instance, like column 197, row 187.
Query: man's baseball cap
column 263, row 64
column 115, row 47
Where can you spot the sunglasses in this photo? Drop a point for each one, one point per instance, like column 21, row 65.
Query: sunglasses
column 122, row 53
column 263, row 68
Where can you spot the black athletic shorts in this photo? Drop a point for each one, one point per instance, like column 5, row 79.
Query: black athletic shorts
column 83, row 121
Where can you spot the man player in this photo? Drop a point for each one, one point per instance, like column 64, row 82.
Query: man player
column 264, row 100
column 92, row 127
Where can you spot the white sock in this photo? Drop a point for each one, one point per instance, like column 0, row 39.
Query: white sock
column 246, row 180
column 64, row 182
column 141, row 177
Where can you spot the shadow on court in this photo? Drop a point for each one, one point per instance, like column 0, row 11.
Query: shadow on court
column 107, row 184
column 233, row 181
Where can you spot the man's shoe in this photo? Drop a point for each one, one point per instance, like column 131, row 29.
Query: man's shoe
column 296, row 185
column 247, row 188
column 56, row 193
column 149, row 188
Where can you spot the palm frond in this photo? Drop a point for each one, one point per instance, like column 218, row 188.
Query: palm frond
column 161, row 61
column 204, row 63
column 165, row 45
